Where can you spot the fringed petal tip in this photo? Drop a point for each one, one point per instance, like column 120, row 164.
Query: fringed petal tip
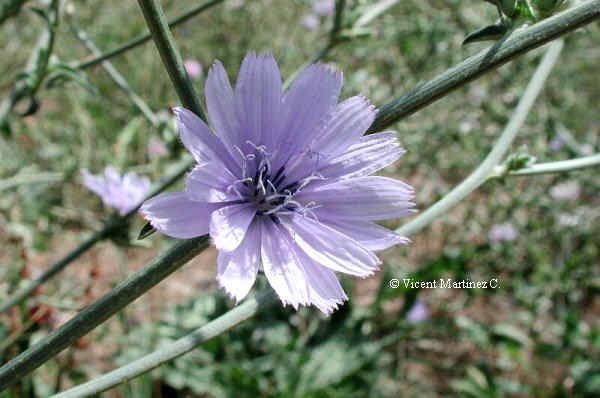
column 327, row 307
column 231, row 294
column 329, row 67
column 367, row 103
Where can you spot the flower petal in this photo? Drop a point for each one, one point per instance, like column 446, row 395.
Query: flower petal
column 237, row 270
column 220, row 104
column 229, row 224
column 370, row 235
column 209, row 182
column 312, row 96
column 363, row 198
column 330, row 248
column 201, row 142
column 94, row 183
column 258, row 99
column 369, row 155
column 175, row 215
column 281, row 267
column 324, row 289
column 348, row 122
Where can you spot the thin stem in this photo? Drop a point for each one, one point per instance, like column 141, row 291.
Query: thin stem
column 118, row 78
column 517, row 43
column 17, row 334
column 155, row 19
column 61, row 264
column 331, row 43
column 109, row 304
column 145, row 37
column 373, row 12
column 562, row 166
column 481, row 173
column 41, row 178
column 337, row 20
column 230, row 319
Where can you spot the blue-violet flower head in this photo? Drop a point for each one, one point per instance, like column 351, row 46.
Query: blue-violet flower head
column 283, row 183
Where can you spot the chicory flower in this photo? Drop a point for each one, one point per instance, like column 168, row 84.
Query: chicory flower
column 283, row 183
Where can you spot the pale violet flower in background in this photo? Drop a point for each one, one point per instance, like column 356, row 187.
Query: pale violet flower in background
column 284, row 185
column 193, row 68
column 418, row 312
column 556, row 143
column 156, row 148
column 503, row 232
column 566, row 191
column 121, row 193
column 310, row 21
column 323, row 8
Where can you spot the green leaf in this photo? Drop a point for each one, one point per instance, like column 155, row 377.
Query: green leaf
column 512, row 333
column 491, row 32
column 146, row 231
column 59, row 72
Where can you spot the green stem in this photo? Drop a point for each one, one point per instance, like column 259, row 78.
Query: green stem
column 118, row 78
column 145, row 37
column 503, row 51
column 230, row 319
column 373, row 12
column 41, row 178
column 337, row 20
column 57, row 267
column 155, row 19
column 482, row 172
column 562, row 166
column 331, row 43
column 130, row 289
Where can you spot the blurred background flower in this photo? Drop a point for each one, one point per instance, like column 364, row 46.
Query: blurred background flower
column 193, row 68
column 503, row 232
column 120, row 192
column 418, row 312
column 569, row 190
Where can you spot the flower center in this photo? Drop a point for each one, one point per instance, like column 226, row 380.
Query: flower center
column 268, row 188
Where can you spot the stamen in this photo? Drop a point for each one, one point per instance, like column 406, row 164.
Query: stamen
column 275, row 196
column 260, row 148
column 304, row 182
column 262, row 189
column 233, row 186
column 275, row 209
column 272, row 186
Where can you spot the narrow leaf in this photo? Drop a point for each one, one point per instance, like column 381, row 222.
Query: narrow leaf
column 146, row 231
column 491, row 32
